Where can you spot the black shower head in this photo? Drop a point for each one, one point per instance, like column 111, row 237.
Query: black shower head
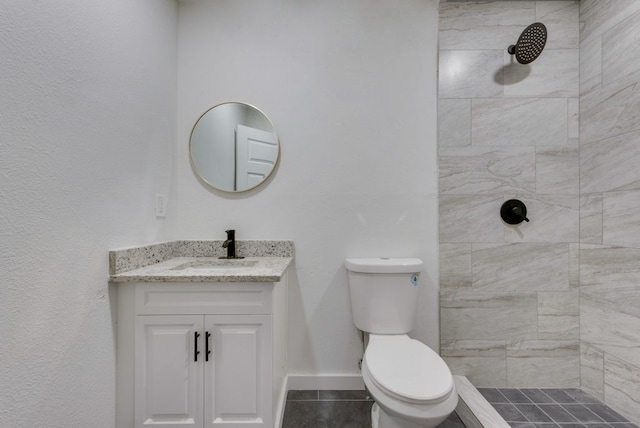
column 530, row 43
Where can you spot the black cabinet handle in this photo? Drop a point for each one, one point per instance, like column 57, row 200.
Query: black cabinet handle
column 196, row 352
column 207, row 335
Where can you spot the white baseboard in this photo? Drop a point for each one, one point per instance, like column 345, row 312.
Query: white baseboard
column 326, row 382
column 278, row 417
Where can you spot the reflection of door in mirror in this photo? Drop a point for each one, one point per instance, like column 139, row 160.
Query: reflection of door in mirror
column 256, row 154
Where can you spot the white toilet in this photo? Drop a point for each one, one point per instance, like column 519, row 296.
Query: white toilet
column 411, row 385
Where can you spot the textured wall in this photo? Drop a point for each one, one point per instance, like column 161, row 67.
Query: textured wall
column 87, row 131
column 609, row 202
column 351, row 90
column 509, row 294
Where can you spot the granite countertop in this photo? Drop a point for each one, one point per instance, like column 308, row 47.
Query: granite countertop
column 195, row 261
column 191, row 269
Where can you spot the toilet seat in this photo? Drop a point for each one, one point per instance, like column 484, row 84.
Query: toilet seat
column 407, row 369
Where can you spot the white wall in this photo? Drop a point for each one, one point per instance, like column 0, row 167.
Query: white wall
column 87, row 131
column 351, row 90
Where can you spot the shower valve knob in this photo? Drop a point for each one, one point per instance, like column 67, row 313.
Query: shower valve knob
column 518, row 212
column 514, row 212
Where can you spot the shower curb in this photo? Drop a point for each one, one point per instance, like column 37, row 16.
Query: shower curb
column 473, row 409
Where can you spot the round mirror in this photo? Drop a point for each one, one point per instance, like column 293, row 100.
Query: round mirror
column 233, row 147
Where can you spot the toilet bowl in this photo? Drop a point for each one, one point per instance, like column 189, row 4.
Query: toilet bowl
column 411, row 385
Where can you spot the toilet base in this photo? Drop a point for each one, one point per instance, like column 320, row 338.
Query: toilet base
column 375, row 412
column 380, row 419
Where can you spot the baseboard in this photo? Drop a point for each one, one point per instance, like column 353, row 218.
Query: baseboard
column 278, row 417
column 325, row 382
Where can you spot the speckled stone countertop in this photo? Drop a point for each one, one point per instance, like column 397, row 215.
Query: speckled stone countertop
column 194, row 261
column 196, row 269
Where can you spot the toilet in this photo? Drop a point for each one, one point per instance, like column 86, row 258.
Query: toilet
column 411, row 385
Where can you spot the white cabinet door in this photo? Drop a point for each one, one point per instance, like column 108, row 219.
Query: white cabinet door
column 238, row 379
column 168, row 380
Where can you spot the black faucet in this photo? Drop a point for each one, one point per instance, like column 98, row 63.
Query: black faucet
column 230, row 245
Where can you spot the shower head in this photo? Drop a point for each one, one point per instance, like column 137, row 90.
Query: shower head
column 530, row 43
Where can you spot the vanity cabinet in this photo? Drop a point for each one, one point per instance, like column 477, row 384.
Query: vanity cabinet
column 216, row 367
column 202, row 355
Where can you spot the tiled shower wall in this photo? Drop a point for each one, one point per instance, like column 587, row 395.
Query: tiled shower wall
column 610, row 202
column 509, row 294
column 553, row 302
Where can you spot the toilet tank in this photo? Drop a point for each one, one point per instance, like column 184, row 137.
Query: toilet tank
column 384, row 293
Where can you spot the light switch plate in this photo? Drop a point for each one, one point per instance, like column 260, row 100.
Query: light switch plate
column 161, row 205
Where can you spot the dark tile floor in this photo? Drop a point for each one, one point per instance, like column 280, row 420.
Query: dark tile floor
column 336, row 409
column 551, row 408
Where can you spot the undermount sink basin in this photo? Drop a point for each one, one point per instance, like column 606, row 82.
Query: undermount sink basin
column 216, row 264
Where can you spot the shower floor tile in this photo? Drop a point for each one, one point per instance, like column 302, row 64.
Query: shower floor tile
column 336, row 409
column 553, row 408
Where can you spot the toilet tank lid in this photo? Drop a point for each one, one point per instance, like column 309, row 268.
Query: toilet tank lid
column 384, row 265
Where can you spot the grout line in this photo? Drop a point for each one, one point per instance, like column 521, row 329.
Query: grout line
column 562, row 404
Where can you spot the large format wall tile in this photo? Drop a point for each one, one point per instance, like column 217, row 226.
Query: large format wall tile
column 573, row 127
column 621, row 224
column 599, row 16
column 611, row 110
column 622, row 386
column 558, row 315
column 574, row 265
column 508, row 130
column 543, row 372
column 562, row 21
column 558, row 171
column 471, row 348
column 553, row 74
column 455, row 266
column 590, row 65
column 610, row 270
column 553, row 218
column 483, row 25
column 483, row 361
column 454, row 122
column 519, row 122
column 478, row 170
column 478, row 315
column 543, row 348
column 518, row 267
column 470, row 74
column 482, row 372
column 619, row 46
column 470, row 218
column 604, row 325
column 543, row 364
column 610, row 296
column 610, row 164
column 592, row 370
column 610, row 199
column 591, row 218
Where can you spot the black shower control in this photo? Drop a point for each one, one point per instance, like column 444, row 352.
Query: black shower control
column 513, row 212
